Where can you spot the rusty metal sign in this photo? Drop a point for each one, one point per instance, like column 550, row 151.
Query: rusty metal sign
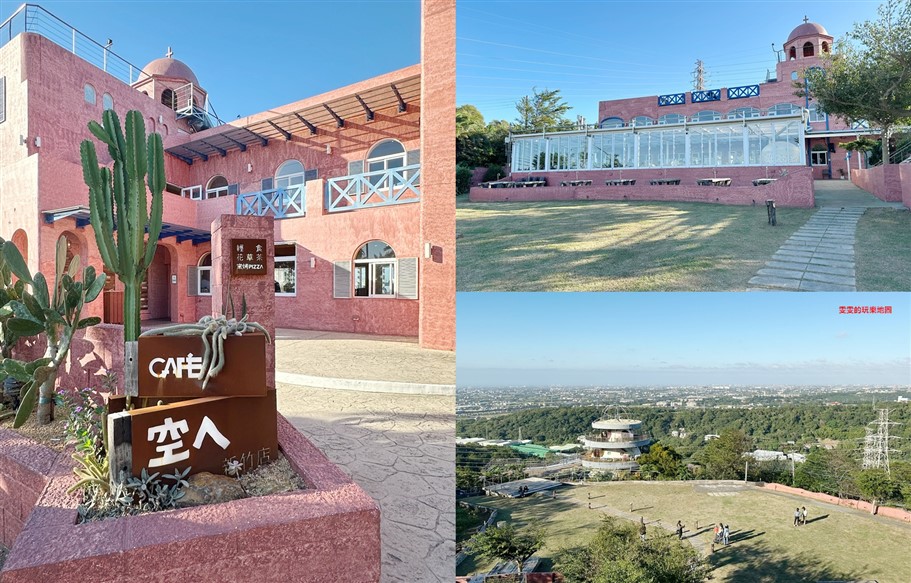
column 248, row 256
column 221, row 435
column 169, row 366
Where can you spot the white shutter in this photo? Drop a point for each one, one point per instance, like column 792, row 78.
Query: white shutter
column 413, row 157
column 192, row 280
column 408, row 278
column 341, row 275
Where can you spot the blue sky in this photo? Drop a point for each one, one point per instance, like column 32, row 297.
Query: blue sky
column 594, row 51
column 251, row 56
column 680, row 338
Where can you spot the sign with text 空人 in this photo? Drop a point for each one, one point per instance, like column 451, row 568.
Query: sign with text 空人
column 248, row 256
column 169, row 366
column 221, row 435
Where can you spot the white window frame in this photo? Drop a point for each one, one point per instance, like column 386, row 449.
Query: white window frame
column 292, row 258
column 372, row 266
column 200, row 268
column 219, row 191
column 384, row 160
column 814, row 114
column 815, row 154
column 192, row 192
column 288, row 181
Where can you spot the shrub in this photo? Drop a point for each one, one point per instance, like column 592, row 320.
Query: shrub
column 494, row 172
column 463, row 179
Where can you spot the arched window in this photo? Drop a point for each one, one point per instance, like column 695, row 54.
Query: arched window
column 89, row 94
column 792, row 54
column 808, row 49
column 204, row 275
column 611, row 122
column 671, row 118
column 289, row 174
column 73, row 249
column 825, row 47
column 384, row 156
column 217, row 186
column 743, row 112
column 642, row 120
column 20, row 240
column 706, row 115
column 169, row 99
column 107, row 102
column 374, row 270
column 783, row 109
column 815, row 114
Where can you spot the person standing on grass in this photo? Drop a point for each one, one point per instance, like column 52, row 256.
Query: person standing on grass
column 797, row 517
column 642, row 529
column 726, row 533
column 679, row 530
column 803, row 517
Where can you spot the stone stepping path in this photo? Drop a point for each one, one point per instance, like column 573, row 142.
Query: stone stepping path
column 818, row 257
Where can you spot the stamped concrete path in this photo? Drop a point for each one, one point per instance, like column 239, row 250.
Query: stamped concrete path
column 400, row 448
column 820, row 255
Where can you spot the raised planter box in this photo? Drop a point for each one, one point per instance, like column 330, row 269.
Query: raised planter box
column 329, row 532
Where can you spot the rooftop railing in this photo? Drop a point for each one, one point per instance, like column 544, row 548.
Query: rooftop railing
column 34, row 18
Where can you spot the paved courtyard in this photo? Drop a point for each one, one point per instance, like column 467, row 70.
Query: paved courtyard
column 400, row 449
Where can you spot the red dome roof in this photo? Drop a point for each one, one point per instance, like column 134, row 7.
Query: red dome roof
column 808, row 29
column 168, row 67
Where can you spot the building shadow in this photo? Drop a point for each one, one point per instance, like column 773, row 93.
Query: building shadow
column 757, row 563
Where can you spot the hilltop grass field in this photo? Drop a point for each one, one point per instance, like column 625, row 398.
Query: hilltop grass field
column 836, row 544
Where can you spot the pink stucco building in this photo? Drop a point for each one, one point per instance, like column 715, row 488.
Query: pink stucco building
column 361, row 245
column 763, row 132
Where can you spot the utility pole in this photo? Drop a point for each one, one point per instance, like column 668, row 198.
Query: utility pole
column 699, row 76
column 746, row 470
column 877, row 442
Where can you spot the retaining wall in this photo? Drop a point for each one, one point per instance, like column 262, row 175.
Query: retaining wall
column 795, row 189
column 887, row 511
column 890, row 183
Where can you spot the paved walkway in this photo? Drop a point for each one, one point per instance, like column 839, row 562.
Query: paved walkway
column 303, row 357
column 820, row 255
column 399, row 448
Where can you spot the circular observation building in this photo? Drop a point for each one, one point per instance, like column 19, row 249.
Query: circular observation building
column 613, row 444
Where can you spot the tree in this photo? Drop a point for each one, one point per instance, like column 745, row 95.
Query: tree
column 507, row 543
column 617, row 555
column 724, row 456
column 662, row 459
column 477, row 143
column 876, row 486
column 544, row 110
column 869, row 78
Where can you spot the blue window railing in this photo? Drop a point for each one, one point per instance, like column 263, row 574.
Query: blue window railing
column 707, row 95
column 743, row 91
column 373, row 189
column 281, row 203
column 672, row 99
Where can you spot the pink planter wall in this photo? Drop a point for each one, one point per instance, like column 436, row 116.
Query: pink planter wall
column 793, row 190
column 329, row 532
column 24, row 466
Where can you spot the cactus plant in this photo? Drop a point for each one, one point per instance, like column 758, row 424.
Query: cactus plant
column 57, row 315
column 119, row 207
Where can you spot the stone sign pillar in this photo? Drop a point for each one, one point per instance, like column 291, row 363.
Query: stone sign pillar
column 437, row 275
column 239, row 278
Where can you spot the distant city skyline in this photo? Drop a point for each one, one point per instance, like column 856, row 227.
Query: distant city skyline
column 674, row 339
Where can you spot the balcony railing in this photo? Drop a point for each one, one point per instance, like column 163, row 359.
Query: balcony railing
column 373, row 189
column 281, row 203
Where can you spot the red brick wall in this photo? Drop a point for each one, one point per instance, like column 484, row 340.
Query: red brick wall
column 24, row 466
column 891, row 183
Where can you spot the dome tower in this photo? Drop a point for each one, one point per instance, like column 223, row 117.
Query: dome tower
column 173, row 84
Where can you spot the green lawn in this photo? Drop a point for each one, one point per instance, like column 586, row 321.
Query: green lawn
column 615, row 246
column 883, row 250
column 836, row 544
